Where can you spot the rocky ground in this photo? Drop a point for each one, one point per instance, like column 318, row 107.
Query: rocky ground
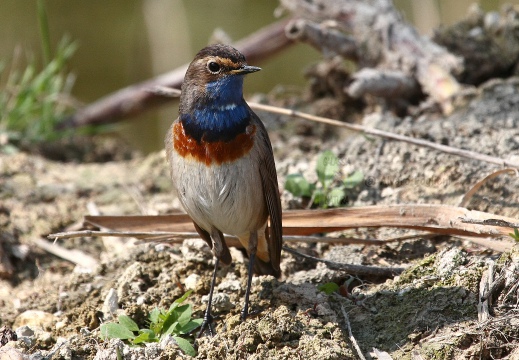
column 428, row 312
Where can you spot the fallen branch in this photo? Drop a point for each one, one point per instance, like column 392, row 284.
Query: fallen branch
column 328, row 40
column 298, row 224
column 135, row 99
column 383, row 83
column 382, row 38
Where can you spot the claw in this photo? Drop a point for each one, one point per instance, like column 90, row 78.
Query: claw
column 208, row 317
column 207, row 324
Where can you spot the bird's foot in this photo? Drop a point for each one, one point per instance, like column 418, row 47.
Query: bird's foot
column 207, row 324
column 245, row 313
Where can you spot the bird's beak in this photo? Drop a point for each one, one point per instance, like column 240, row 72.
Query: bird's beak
column 246, row 69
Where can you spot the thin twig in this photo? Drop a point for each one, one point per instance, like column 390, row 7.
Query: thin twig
column 388, row 135
column 136, row 234
column 74, row 256
column 361, row 270
column 480, row 183
column 178, row 237
column 350, row 334
column 490, row 243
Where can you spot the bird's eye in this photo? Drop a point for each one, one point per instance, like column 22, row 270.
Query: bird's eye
column 213, row 67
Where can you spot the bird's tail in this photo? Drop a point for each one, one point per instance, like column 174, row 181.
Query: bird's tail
column 265, row 268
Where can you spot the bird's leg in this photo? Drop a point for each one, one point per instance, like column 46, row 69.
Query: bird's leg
column 208, row 317
column 252, row 247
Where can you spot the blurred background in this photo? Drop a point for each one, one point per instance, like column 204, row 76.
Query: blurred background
column 122, row 42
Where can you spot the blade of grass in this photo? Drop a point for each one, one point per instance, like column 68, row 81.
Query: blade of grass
column 44, row 31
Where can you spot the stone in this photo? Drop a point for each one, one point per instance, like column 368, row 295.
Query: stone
column 33, row 318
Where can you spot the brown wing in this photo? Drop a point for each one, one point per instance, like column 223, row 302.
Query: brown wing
column 269, row 182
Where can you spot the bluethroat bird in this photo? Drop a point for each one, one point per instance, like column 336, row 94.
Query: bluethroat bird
column 222, row 166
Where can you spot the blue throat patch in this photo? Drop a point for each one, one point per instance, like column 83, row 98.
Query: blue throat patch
column 221, row 115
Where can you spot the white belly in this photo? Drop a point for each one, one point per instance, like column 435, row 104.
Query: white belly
column 227, row 196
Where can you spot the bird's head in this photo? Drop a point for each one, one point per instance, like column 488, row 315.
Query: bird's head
column 215, row 78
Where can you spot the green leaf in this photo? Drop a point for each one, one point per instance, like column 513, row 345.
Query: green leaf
column 320, row 198
column 170, row 330
column 190, row 326
column 515, row 234
column 184, row 315
column 171, row 317
column 353, row 180
column 298, row 186
column 154, row 315
column 335, row 196
column 327, row 167
column 145, row 336
column 179, row 301
column 115, row 331
column 185, row 346
column 128, row 323
column 328, row 288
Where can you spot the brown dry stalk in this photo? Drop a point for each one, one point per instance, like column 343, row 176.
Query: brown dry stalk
column 475, row 188
column 438, row 219
column 179, row 237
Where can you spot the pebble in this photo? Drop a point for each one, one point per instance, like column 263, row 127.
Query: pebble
column 230, row 285
column 221, row 301
column 196, row 250
column 24, row 331
column 34, row 318
column 192, row 281
column 111, row 304
column 61, row 324
column 129, row 282
column 9, row 353
column 29, row 335
column 449, row 260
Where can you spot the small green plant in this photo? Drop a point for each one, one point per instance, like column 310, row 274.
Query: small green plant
column 515, row 234
column 176, row 322
column 34, row 99
column 326, row 192
column 328, row 288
